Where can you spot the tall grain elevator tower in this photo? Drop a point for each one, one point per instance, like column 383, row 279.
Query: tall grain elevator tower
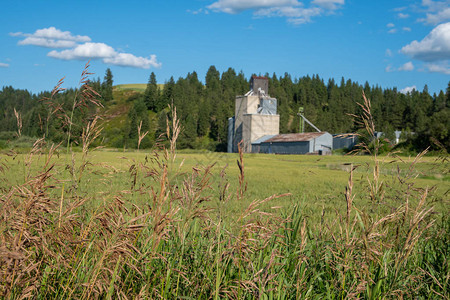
column 255, row 116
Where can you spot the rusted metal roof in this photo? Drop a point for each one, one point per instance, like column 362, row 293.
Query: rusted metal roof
column 295, row 137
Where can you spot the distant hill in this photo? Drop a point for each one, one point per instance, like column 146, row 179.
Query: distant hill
column 138, row 87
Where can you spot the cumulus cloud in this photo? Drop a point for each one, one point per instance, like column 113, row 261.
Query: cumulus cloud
column 408, row 29
column 3, row 65
column 293, row 10
column 47, row 43
column 129, row 60
column 53, row 33
column 388, row 53
column 329, row 4
column 295, row 15
column 393, row 30
column 107, row 54
column 438, row 17
column 438, row 68
column 51, row 38
column 435, row 5
column 437, row 11
column 403, row 16
column 237, row 6
column 390, row 25
column 407, row 67
column 408, row 89
column 81, row 48
column 434, row 47
column 84, row 51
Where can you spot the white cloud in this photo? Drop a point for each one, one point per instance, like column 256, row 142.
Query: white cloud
column 403, row 16
column 437, row 11
column 434, row 47
column 107, row 54
column 439, row 17
column 407, row 67
column 408, row 29
column 84, row 51
column 438, row 68
column 53, row 33
column 236, row 6
column 129, row 60
column 293, row 10
column 390, row 25
column 3, row 65
column 47, row 43
column 400, row 8
column 16, row 33
column 80, row 47
column 388, row 53
column 408, row 89
column 435, row 5
column 393, row 30
column 389, row 69
column 51, row 38
column 329, row 4
column 295, row 15
column 196, row 12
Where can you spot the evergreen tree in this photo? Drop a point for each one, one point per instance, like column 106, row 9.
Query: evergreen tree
column 166, row 97
column 107, row 86
column 151, row 95
column 204, row 119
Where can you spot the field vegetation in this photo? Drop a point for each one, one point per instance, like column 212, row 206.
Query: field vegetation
column 140, row 87
column 78, row 221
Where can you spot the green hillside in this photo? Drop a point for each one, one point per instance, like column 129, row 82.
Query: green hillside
column 116, row 114
column 139, row 87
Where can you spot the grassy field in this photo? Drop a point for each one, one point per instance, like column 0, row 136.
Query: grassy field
column 315, row 182
column 166, row 224
column 139, row 87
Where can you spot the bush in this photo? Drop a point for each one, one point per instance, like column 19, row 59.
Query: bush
column 23, row 142
column 8, row 135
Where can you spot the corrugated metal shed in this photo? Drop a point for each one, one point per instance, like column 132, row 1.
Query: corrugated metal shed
column 297, row 143
column 256, row 144
column 346, row 140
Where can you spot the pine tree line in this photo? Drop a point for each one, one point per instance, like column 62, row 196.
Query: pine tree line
column 205, row 107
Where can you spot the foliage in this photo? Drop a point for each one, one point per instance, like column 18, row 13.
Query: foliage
column 205, row 107
column 107, row 86
column 169, row 234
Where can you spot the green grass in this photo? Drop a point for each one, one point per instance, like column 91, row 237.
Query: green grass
column 315, row 182
column 139, row 87
column 109, row 224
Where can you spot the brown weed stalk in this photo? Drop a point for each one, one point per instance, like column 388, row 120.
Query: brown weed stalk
column 242, row 188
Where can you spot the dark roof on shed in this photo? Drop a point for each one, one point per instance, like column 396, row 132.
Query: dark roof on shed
column 295, row 137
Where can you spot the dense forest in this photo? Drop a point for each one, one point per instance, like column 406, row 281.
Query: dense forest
column 204, row 108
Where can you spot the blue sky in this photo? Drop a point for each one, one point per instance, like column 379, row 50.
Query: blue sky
column 403, row 44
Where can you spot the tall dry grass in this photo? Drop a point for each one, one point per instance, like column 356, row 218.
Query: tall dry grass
column 168, row 235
